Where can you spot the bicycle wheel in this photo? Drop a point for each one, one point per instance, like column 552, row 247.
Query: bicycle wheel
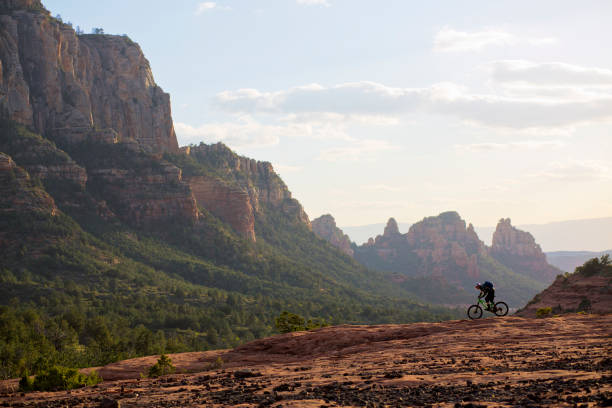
column 501, row 309
column 474, row 312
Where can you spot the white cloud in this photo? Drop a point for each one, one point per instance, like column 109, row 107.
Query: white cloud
column 205, row 6
column 247, row 131
column 353, row 98
column 450, row 40
column 243, row 133
column 527, row 145
column 576, row 171
column 549, row 74
column 377, row 100
column 359, row 150
column 324, row 3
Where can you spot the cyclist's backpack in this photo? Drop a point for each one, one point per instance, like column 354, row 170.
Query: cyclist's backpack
column 488, row 285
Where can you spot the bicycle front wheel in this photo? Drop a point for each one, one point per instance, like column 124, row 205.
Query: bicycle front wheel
column 501, row 309
column 474, row 312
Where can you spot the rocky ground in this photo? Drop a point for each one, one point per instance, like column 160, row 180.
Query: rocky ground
column 513, row 361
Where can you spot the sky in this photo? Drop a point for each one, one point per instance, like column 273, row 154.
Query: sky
column 392, row 108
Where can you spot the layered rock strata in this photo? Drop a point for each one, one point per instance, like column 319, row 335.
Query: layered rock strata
column 145, row 196
column 240, row 177
column 325, row 227
column 71, row 87
column 18, row 193
column 231, row 204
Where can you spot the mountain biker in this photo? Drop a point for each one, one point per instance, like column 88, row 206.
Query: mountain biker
column 488, row 291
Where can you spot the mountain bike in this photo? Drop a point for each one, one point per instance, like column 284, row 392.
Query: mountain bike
column 475, row 311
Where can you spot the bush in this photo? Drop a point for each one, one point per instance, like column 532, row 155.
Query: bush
column 58, row 378
column 162, row 367
column 584, row 306
column 596, row 266
column 215, row 365
column 290, row 322
column 544, row 311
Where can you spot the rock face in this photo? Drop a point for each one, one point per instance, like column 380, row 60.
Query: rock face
column 39, row 157
column 144, row 196
column 18, row 193
column 325, row 227
column 238, row 188
column 231, row 204
column 518, row 250
column 438, row 246
column 444, row 240
column 72, row 88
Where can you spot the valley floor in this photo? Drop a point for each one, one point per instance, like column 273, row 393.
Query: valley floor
column 513, row 361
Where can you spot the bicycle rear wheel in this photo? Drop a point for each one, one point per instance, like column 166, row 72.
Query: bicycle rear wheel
column 501, row 309
column 474, row 312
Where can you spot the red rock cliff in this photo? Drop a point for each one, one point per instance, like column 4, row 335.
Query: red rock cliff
column 241, row 188
column 229, row 203
column 72, row 88
column 518, row 250
column 325, row 227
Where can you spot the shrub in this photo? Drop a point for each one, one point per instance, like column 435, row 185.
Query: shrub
column 584, row 306
column 543, row 311
column 58, row 378
column 290, row 322
column 215, row 365
column 162, row 367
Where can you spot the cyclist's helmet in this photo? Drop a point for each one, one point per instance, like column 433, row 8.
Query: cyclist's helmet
column 477, row 285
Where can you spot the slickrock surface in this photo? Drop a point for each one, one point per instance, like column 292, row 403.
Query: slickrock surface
column 507, row 362
column 518, row 250
column 325, row 227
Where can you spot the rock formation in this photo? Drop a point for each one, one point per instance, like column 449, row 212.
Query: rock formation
column 446, row 258
column 142, row 196
column 18, row 193
column 231, row 204
column 391, row 228
column 518, row 250
column 71, row 87
column 232, row 179
column 325, row 227
column 444, row 240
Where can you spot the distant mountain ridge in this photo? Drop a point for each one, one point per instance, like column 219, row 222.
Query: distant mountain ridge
column 591, row 235
column 572, row 235
column 447, row 258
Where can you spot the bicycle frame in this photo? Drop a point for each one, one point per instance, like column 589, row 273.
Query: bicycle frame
column 484, row 305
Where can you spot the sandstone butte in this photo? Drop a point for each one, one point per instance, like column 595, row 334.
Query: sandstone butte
column 497, row 362
column 73, row 88
column 325, row 227
column 445, row 239
column 518, row 250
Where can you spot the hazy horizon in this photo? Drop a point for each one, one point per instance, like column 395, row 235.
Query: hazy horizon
column 367, row 109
